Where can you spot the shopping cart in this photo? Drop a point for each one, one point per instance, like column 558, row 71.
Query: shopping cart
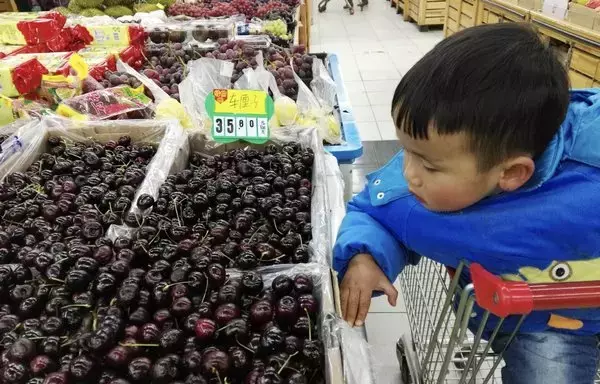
column 349, row 6
column 440, row 347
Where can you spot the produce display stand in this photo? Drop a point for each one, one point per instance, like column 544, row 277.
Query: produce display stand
column 425, row 12
column 577, row 47
column 352, row 148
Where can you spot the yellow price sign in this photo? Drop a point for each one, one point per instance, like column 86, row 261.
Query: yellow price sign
column 239, row 114
column 240, row 102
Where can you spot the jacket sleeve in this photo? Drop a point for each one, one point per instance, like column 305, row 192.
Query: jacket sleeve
column 361, row 233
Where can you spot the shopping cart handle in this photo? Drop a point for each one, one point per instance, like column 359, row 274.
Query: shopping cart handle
column 503, row 298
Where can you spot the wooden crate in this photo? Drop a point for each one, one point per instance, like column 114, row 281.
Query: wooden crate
column 8, row 6
column 497, row 11
column 460, row 14
column 425, row 12
column 583, row 60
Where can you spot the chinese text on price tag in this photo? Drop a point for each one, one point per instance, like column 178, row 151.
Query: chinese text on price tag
column 239, row 115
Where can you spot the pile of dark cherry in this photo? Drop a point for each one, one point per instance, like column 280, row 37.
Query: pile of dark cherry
column 242, row 209
column 158, row 308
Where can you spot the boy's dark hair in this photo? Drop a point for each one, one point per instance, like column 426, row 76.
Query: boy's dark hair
column 498, row 83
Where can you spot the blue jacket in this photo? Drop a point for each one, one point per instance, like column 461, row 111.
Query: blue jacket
column 547, row 231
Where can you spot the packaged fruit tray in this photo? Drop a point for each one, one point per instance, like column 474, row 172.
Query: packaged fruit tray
column 197, row 31
column 352, row 147
column 241, row 205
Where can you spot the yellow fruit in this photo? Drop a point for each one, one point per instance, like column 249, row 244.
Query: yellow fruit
column 286, row 110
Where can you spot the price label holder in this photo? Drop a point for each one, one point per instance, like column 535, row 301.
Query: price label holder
column 239, row 114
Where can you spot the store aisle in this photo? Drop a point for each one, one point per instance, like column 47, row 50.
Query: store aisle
column 376, row 47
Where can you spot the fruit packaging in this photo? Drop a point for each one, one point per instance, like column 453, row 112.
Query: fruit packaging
column 22, row 74
column 107, row 103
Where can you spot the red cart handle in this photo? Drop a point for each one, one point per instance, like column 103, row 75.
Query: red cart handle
column 503, row 298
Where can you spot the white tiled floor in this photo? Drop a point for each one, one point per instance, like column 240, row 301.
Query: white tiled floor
column 376, row 47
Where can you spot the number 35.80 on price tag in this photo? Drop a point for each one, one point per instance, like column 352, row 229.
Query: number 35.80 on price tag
column 239, row 115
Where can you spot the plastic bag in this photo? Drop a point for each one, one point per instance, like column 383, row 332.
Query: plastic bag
column 323, row 86
column 22, row 148
column 166, row 106
column 105, row 103
column 313, row 113
column 203, row 77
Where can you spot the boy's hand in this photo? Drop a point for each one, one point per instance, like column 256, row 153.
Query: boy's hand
column 362, row 278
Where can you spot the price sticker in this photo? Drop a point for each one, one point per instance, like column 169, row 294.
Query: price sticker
column 239, row 115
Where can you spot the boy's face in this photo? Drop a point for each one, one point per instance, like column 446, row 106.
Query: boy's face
column 443, row 173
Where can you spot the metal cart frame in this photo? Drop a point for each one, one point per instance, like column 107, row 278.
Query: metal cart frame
column 441, row 349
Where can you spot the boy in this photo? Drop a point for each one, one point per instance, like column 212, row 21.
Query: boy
column 500, row 166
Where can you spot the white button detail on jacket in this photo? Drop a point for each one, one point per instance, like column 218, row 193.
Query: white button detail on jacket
column 377, row 182
column 380, row 195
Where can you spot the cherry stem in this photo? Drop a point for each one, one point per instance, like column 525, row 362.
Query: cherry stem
column 309, row 325
column 214, row 370
column 225, row 327
column 58, row 280
column 166, row 287
column 243, row 346
column 205, row 287
column 138, row 345
column 286, row 362
column 76, row 306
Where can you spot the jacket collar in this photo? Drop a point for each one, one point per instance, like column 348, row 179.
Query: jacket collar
column 578, row 138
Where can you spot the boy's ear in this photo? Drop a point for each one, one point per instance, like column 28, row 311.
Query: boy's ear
column 516, row 172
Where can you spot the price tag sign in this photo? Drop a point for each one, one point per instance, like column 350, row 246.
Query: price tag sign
column 239, row 114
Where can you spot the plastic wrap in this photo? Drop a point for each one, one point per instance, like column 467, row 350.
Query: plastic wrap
column 323, row 86
column 22, row 74
column 314, row 113
column 203, row 77
column 21, row 28
column 108, row 32
column 166, row 106
column 104, row 104
column 22, row 148
column 359, row 366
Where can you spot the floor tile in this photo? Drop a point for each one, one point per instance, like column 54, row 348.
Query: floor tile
column 381, row 98
column 353, row 86
column 394, row 324
column 387, row 129
column 368, row 130
column 369, row 156
column 359, row 176
column 380, row 304
column 379, row 85
column 386, row 150
column 382, row 112
column 358, row 98
column 362, row 114
column 389, row 74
